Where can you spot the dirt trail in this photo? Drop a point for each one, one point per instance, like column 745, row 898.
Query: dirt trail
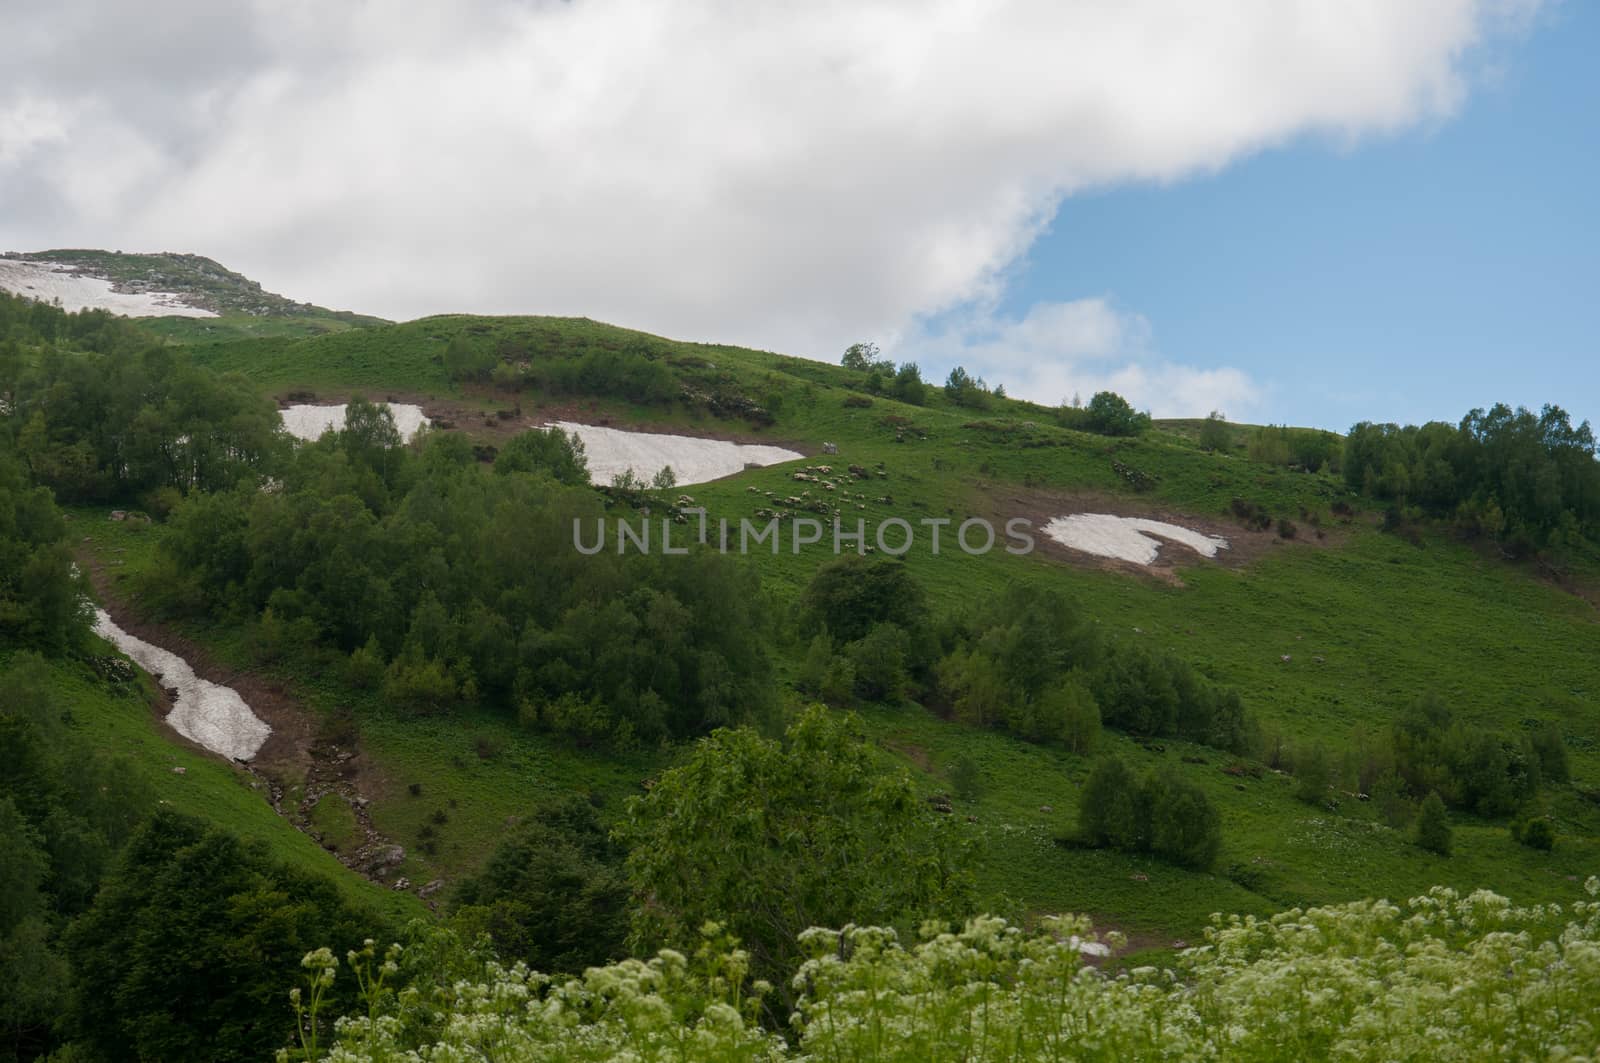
column 301, row 762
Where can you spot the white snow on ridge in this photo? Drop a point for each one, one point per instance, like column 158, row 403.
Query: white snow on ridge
column 612, row 451
column 1127, row 538
column 214, row 716
column 52, row 281
column 309, row 422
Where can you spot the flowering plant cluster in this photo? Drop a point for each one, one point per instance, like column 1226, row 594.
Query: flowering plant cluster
column 1443, row 976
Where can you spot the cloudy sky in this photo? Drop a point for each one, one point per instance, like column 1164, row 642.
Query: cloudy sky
column 1292, row 211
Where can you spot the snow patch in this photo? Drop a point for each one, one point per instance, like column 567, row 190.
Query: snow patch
column 1127, row 538
column 309, row 422
column 612, row 451
column 214, row 716
column 49, row 282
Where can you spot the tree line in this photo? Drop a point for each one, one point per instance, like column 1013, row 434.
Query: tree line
column 1529, row 481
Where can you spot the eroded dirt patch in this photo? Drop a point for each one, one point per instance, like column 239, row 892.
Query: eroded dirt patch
column 301, row 761
column 1245, row 544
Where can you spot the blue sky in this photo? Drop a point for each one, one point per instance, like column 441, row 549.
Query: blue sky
column 1406, row 277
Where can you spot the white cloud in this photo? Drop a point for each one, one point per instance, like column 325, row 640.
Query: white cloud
column 793, row 176
column 1059, row 351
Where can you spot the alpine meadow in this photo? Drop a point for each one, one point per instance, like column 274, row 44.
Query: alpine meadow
column 470, row 683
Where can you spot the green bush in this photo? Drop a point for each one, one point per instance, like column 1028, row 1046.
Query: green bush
column 1109, row 813
column 770, row 838
column 366, row 666
column 1433, row 826
column 1215, row 435
column 1184, row 828
column 552, row 895
column 1162, row 815
column 1109, row 414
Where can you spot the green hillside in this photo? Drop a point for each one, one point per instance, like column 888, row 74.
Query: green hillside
column 1370, row 622
column 1374, row 633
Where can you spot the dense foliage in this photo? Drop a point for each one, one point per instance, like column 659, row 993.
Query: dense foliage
column 456, row 584
column 1443, row 976
column 1527, row 480
column 190, row 941
column 553, row 895
column 127, row 930
column 1107, row 414
column 770, row 837
column 1029, row 662
column 1159, row 814
column 99, row 412
column 66, row 807
column 1310, row 449
column 41, row 592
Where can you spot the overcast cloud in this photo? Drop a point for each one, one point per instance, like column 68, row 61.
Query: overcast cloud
column 788, row 176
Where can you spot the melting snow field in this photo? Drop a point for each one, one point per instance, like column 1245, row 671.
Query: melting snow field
column 52, row 281
column 694, row 461
column 213, row 716
column 309, row 422
column 1127, row 538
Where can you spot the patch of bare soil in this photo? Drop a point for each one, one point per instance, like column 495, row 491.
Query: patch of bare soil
column 303, row 759
column 491, row 417
column 916, row 754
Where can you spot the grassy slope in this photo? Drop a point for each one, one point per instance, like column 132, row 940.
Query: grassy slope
column 125, row 720
column 245, row 309
column 477, row 767
column 121, row 720
column 1390, row 620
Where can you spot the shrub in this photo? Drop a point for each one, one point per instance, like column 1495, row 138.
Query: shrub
column 908, row 386
column 1165, row 816
column 419, row 684
column 1109, row 812
column 1536, row 832
column 850, row 595
column 161, row 501
column 467, row 360
column 366, row 665
column 1109, row 414
column 549, row 450
column 1388, row 794
column 506, row 377
column 1184, row 828
column 962, row 390
column 1251, row 513
column 816, row 813
column 552, row 895
column 1433, row 826
column 879, row 661
column 1313, row 774
column 1215, row 434
column 278, row 637
column 1549, row 748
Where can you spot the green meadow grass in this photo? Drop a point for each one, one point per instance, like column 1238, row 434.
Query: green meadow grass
column 1389, row 621
column 120, row 720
